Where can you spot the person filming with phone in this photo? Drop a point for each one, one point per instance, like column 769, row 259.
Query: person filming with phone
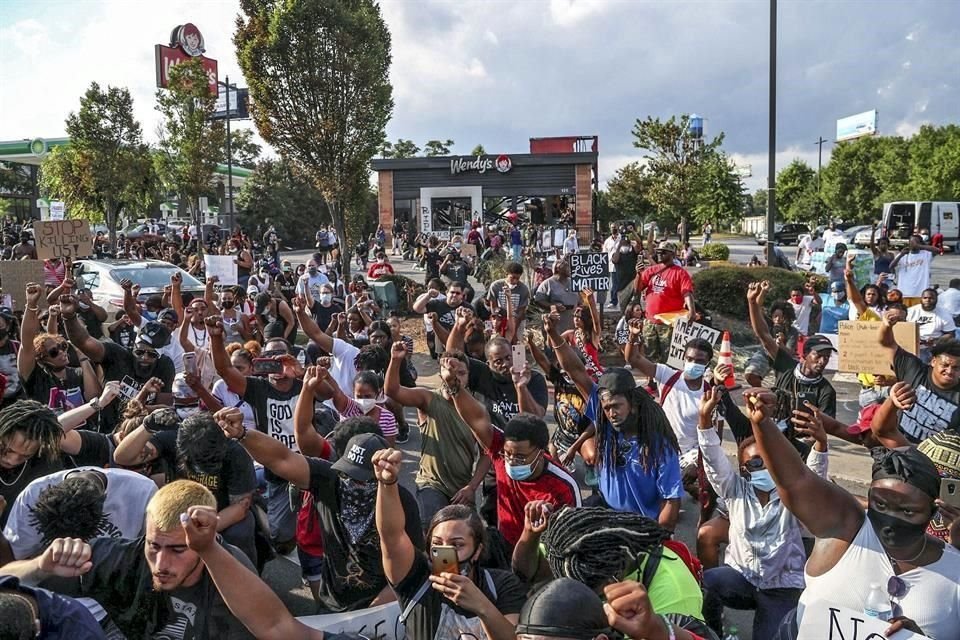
column 443, row 593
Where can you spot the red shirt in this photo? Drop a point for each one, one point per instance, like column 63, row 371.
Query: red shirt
column 376, row 270
column 554, row 485
column 665, row 289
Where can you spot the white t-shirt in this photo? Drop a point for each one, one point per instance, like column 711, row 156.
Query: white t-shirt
column 342, row 368
column 932, row 324
column 949, row 302
column 314, row 282
column 682, row 406
column 126, row 502
column 802, row 311
column 913, row 273
column 809, row 246
column 229, row 399
column 611, row 245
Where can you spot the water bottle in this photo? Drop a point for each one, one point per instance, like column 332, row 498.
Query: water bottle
column 878, row 604
column 732, row 634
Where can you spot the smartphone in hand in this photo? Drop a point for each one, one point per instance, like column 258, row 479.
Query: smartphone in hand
column 444, row 560
column 519, row 357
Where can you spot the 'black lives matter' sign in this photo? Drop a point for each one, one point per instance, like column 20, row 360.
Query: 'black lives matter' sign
column 589, row 271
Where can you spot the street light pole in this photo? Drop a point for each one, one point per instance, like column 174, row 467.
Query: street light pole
column 229, row 192
column 819, row 143
column 772, row 133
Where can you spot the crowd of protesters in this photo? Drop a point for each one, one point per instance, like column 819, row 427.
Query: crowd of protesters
column 152, row 463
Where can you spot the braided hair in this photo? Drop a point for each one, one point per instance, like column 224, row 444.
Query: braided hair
column 36, row 422
column 72, row 508
column 599, row 546
column 655, row 436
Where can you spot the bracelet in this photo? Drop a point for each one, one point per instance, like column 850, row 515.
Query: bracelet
column 34, row 309
column 671, row 634
column 95, row 404
column 242, row 435
column 388, row 484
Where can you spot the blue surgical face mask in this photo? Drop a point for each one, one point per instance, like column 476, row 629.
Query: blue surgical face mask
column 694, row 369
column 521, row 472
column 762, row 480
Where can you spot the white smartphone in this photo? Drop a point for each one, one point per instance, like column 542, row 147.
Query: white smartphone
column 190, row 363
column 519, row 357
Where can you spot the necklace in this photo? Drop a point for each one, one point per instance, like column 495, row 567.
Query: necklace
column 911, row 560
column 196, row 337
column 23, row 468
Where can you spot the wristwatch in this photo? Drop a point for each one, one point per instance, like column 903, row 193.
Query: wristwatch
column 95, row 404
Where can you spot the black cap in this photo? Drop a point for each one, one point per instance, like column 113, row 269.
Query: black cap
column 547, row 611
column 7, row 313
column 617, row 381
column 154, row 334
column 818, row 343
column 357, row 458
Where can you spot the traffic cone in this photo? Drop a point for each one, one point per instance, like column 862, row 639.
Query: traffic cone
column 726, row 357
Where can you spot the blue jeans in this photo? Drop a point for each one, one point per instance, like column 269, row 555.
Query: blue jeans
column 516, row 249
column 614, row 288
column 283, row 521
column 429, row 501
column 726, row 587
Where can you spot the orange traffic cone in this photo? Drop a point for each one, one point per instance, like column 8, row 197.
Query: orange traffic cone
column 726, row 357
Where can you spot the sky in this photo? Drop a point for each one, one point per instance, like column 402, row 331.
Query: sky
column 498, row 72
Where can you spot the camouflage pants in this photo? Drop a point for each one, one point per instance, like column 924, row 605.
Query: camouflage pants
column 656, row 341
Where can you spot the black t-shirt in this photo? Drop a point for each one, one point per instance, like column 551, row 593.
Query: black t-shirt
column 288, row 285
column 353, row 574
column 457, row 272
column 322, row 315
column 936, row 409
column 41, row 381
column 273, row 410
column 500, row 396
column 626, row 265
column 236, row 477
column 13, row 481
column 96, row 450
column 124, row 336
column 424, row 618
column 431, row 263
column 91, row 322
column 788, row 386
column 120, row 364
column 120, row 581
column 445, row 313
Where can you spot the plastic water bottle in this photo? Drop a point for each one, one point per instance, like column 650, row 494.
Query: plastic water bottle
column 732, row 634
column 878, row 604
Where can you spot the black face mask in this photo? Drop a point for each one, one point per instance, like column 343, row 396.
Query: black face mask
column 894, row 532
column 226, row 304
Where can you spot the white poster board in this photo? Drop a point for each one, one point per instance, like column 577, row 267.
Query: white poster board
column 376, row 622
column 683, row 332
column 822, row 621
column 224, row 267
column 57, row 210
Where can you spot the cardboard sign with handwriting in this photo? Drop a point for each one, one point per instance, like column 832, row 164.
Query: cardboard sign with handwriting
column 683, row 332
column 15, row 275
column 62, row 238
column 860, row 350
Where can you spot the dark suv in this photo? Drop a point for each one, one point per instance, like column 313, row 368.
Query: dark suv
column 787, row 234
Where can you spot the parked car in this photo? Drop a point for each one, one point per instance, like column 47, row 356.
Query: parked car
column 850, row 234
column 139, row 231
column 102, row 278
column 788, row 233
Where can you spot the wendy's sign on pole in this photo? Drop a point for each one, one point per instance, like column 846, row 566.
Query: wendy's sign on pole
column 186, row 42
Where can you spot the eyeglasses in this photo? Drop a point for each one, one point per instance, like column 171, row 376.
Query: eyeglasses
column 149, row 353
column 57, row 349
column 276, row 353
column 519, row 459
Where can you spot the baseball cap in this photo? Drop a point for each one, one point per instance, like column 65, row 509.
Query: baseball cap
column 617, row 381
column 666, row 245
column 357, row 458
column 167, row 313
column 7, row 313
column 818, row 343
column 864, row 418
column 154, row 335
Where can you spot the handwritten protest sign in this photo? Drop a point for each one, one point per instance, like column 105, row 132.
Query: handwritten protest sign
column 224, row 267
column 14, row 277
column 683, row 332
column 822, row 621
column 860, row 352
column 62, row 238
column 589, row 271
column 468, row 250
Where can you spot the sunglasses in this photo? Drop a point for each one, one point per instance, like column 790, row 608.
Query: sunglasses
column 57, row 350
column 273, row 354
column 896, row 588
column 753, row 464
column 149, row 353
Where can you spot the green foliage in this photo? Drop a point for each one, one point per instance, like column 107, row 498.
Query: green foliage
column 934, row 166
column 244, row 150
column 399, row 149
column 795, row 184
column 715, row 251
column 627, row 193
column 318, row 72
column 760, row 202
column 491, row 270
column 15, row 178
column 718, row 197
column 107, row 167
column 291, row 202
column 724, row 288
column 478, row 151
column 190, row 145
column 434, row 148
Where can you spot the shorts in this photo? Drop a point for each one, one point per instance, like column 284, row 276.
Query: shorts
column 311, row 566
column 758, row 364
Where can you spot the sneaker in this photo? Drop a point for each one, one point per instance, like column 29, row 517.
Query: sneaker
column 403, row 436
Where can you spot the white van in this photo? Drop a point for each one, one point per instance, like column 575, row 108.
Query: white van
column 900, row 219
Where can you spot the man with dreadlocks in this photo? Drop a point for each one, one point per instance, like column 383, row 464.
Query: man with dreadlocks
column 600, row 547
column 638, row 463
column 29, row 448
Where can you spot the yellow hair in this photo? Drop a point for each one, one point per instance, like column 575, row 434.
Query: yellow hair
column 171, row 500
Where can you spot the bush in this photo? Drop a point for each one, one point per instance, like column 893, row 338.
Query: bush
column 715, row 251
column 724, row 289
column 491, row 270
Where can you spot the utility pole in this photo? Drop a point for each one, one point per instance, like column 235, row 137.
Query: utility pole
column 819, row 144
column 772, row 133
column 229, row 191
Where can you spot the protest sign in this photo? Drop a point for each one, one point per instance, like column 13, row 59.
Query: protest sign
column 860, row 350
column 588, row 271
column 683, row 332
column 822, row 621
column 15, row 275
column 468, row 250
column 62, row 238
column 57, row 210
column 224, row 267
column 382, row 622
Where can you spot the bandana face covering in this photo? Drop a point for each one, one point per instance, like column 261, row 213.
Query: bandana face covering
column 357, row 507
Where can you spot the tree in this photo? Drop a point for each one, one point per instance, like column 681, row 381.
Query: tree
column 674, row 158
column 318, row 72
column 290, row 201
column 759, row 200
column 478, row 151
column 401, row 149
column 792, row 182
column 191, row 145
column 934, row 167
column 627, row 192
column 719, row 196
column 106, row 168
column 848, row 185
column 434, row 148
column 244, row 150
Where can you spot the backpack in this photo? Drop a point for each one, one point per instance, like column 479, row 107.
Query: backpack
column 669, row 384
column 653, row 562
